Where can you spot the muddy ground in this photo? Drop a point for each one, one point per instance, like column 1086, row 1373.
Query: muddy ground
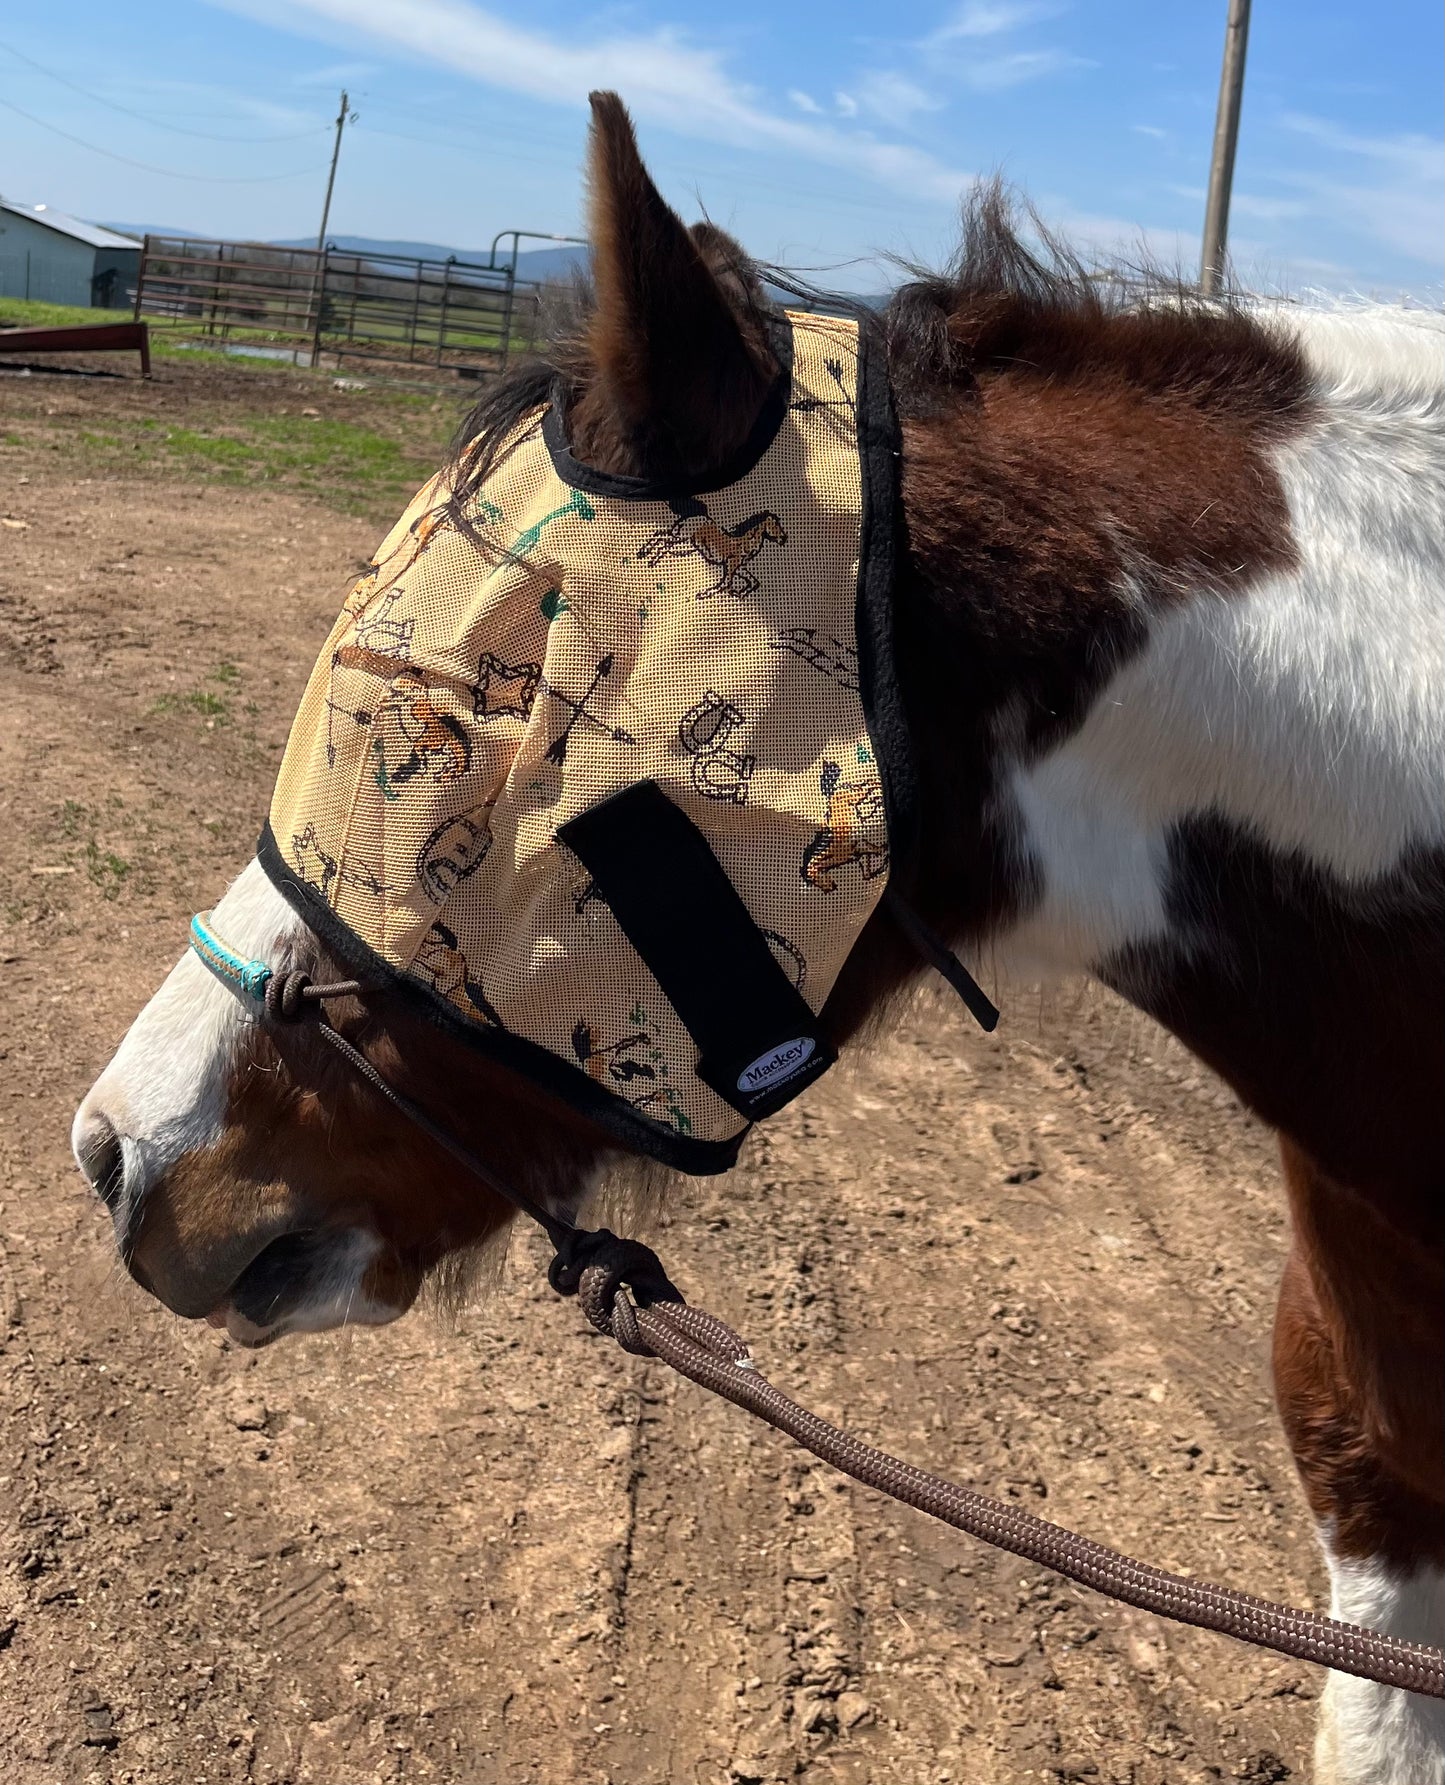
column 500, row 1551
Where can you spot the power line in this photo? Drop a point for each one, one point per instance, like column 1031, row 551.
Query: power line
column 475, row 143
column 563, row 140
column 147, row 167
column 158, row 123
column 566, row 145
column 755, row 182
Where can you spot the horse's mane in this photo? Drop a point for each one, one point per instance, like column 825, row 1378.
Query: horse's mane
column 1016, row 297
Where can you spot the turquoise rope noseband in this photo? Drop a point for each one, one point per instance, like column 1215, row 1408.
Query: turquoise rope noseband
column 250, row 978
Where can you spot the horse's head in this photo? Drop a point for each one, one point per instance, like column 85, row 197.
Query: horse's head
column 251, row 1178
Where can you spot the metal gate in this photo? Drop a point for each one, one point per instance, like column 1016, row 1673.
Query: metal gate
column 333, row 305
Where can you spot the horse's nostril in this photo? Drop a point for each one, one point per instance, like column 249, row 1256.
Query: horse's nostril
column 102, row 1159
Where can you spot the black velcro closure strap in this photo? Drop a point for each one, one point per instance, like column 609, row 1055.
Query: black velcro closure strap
column 759, row 1043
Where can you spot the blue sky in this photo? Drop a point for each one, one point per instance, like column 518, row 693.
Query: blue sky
column 822, row 134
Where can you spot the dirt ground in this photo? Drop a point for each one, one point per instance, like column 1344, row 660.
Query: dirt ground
column 499, row 1551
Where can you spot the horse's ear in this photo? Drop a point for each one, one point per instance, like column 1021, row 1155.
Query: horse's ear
column 678, row 349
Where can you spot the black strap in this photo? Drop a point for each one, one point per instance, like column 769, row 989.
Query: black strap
column 759, row 1042
column 942, row 959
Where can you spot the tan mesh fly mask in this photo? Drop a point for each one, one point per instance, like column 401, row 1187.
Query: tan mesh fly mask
column 611, row 789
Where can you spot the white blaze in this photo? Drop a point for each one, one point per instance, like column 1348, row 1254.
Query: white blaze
column 165, row 1091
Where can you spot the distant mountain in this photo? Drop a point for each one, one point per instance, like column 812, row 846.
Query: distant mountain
column 552, row 263
column 538, row 263
column 153, row 229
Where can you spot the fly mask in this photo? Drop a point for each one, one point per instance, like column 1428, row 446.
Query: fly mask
column 608, row 779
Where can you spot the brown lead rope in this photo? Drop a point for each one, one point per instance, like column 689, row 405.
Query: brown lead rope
column 708, row 1352
column 656, row 1322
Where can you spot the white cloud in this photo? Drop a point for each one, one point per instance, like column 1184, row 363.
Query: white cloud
column 666, row 80
column 1391, row 188
column 805, row 102
column 980, row 18
column 956, row 47
column 1118, row 241
column 1418, row 157
column 1151, row 130
column 995, row 74
column 1352, row 189
column 895, row 99
column 1266, row 210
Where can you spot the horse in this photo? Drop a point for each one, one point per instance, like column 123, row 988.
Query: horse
column 728, row 550
column 1170, row 635
column 851, row 831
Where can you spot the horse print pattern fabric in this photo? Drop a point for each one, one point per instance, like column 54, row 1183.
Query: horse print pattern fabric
column 484, row 685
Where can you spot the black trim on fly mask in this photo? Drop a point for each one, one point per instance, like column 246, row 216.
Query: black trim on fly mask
column 624, row 488
column 880, row 457
column 759, row 1042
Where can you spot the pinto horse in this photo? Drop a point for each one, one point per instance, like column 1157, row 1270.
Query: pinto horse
column 1171, row 639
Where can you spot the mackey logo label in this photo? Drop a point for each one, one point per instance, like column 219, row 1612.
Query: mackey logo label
column 778, row 1064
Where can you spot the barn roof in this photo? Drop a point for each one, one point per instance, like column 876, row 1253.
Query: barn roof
column 63, row 224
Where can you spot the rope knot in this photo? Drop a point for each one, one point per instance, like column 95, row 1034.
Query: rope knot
column 285, row 998
column 594, row 1265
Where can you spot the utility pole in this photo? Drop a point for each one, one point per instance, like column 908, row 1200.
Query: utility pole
column 1226, row 137
column 331, row 177
column 316, row 305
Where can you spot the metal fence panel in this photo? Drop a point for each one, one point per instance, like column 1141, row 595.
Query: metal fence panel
column 447, row 314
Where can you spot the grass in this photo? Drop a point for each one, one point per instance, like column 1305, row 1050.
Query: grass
column 199, row 700
column 216, row 709
column 371, row 467
column 244, row 428
column 346, row 464
column 30, row 313
column 185, row 337
column 104, row 869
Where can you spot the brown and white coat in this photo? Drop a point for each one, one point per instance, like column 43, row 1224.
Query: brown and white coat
column 1171, row 637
